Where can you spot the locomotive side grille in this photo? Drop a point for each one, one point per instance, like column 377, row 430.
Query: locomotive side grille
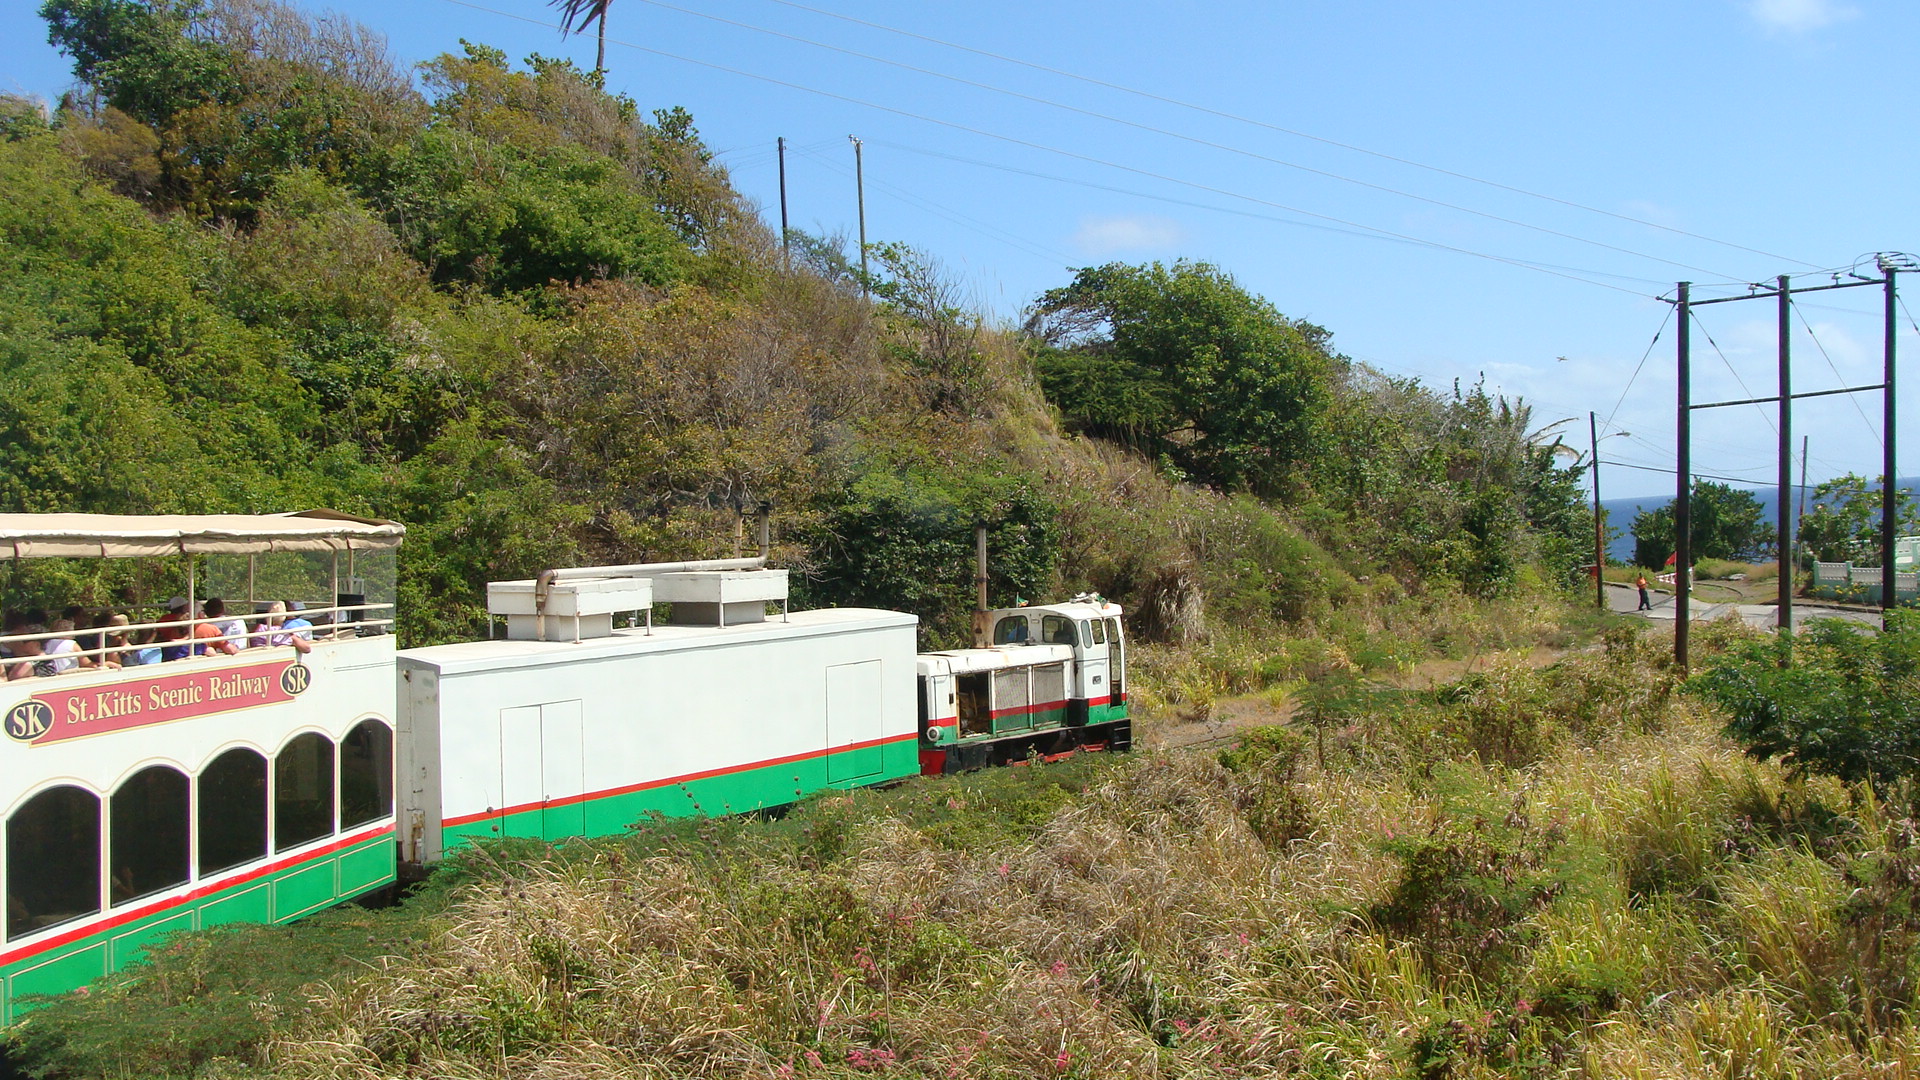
column 1049, row 684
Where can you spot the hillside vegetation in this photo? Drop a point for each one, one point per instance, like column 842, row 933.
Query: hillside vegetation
column 252, row 263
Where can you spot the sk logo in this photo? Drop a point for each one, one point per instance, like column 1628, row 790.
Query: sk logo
column 29, row 720
column 295, row 678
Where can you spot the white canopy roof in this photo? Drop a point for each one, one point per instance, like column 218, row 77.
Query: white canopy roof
column 114, row 536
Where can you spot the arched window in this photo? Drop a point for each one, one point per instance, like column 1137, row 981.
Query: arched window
column 147, row 838
column 366, row 774
column 303, row 791
column 1010, row 630
column 53, row 860
column 233, row 810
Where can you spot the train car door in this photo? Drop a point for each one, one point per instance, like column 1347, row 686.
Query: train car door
column 1117, row 662
column 976, row 703
column 543, row 769
column 853, row 720
column 1093, row 686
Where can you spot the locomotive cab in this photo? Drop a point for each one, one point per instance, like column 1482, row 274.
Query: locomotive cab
column 1050, row 682
column 1091, row 627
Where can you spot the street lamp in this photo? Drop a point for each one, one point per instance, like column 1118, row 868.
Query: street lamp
column 1599, row 531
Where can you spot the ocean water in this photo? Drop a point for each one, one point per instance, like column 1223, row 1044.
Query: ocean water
column 1620, row 512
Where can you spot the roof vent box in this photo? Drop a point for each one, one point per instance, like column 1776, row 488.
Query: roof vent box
column 575, row 610
column 720, row 597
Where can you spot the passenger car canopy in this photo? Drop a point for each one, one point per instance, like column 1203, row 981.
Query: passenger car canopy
column 115, row 536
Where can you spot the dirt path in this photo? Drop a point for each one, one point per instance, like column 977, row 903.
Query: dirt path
column 1236, row 714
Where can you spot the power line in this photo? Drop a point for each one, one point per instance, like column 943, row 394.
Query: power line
column 1172, row 201
column 1831, row 366
column 1729, row 366
column 1287, row 131
column 987, row 229
column 1636, row 368
column 1695, row 474
column 1194, row 139
column 1436, row 245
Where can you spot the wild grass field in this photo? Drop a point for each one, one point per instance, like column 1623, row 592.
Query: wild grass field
column 1531, row 872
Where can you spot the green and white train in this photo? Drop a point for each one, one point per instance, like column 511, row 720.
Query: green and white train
column 267, row 784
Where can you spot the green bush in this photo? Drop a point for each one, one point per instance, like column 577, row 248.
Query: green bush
column 1265, row 766
column 1827, row 699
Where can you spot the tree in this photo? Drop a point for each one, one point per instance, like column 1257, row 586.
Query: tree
column 1183, row 363
column 901, row 536
column 1726, row 523
column 140, row 55
column 577, row 15
column 1844, row 524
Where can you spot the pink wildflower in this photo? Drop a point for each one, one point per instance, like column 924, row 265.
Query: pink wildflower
column 1060, row 1063
column 813, row 1059
column 1005, row 869
column 1059, row 969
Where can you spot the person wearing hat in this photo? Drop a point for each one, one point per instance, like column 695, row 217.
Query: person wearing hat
column 276, row 630
column 176, row 642
column 297, row 624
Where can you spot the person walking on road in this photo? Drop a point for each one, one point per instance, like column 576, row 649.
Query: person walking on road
column 1646, row 600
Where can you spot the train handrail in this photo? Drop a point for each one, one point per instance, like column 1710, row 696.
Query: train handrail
column 316, row 633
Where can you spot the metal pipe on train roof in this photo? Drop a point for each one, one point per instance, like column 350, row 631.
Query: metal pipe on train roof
column 586, row 573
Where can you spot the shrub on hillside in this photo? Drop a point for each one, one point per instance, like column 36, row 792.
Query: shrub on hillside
column 1827, row 699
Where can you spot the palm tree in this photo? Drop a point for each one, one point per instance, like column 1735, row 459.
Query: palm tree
column 577, row 15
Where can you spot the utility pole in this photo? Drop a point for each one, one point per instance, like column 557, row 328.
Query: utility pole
column 1802, row 512
column 1682, row 508
column 1599, row 542
column 860, row 195
column 1888, row 489
column 1889, row 264
column 786, row 234
column 1783, row 617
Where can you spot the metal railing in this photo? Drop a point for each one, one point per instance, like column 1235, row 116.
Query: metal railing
column 324, row 624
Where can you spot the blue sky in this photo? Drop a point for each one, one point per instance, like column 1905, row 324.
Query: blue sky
column 1777, row 133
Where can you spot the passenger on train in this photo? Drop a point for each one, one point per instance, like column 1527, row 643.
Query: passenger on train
column 15, row 623
column 27, row 663
column 175, row 641
column 297, row 623
column 232, row 630
column 128, row 649
column 208, row 640
column 64, row 651
column 276, row 630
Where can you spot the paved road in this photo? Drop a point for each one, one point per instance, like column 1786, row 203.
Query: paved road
column 1624, row 599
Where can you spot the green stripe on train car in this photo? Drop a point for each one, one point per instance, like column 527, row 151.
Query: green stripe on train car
column 1039, row 720
column 296, row 890
column 712, row 796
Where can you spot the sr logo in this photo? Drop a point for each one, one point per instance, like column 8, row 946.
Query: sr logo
column 29, row 720
column 295, row 678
